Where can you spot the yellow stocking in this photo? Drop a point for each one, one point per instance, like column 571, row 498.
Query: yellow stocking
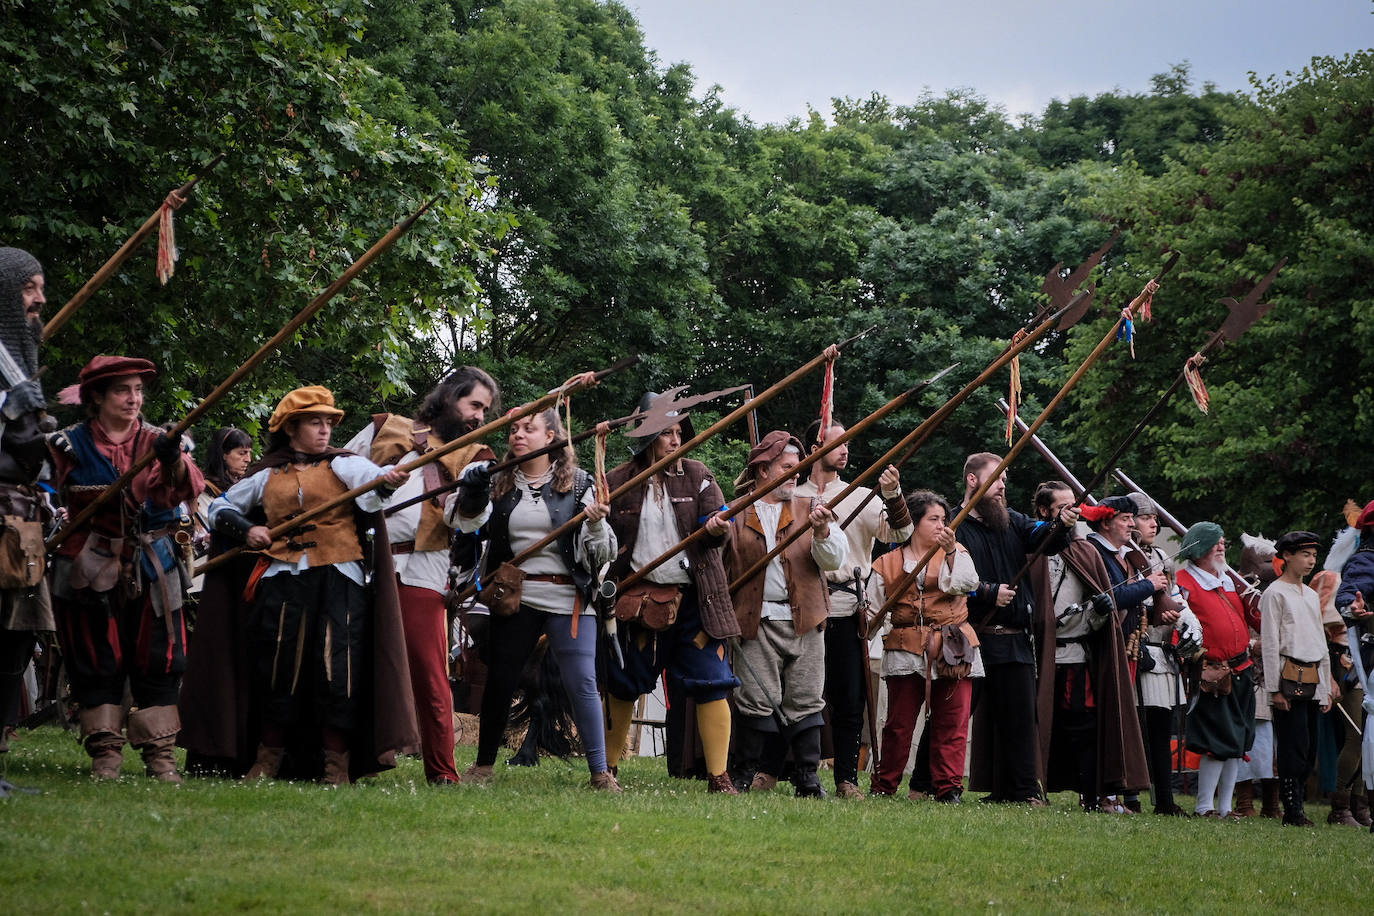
column 622, row 716
column 713, row 723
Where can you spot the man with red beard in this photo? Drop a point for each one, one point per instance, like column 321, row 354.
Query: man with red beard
column 1003, row 761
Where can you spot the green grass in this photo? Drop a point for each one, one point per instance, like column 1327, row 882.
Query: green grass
column 538, row 840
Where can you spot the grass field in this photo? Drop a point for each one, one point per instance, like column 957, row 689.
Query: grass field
column 537, row 841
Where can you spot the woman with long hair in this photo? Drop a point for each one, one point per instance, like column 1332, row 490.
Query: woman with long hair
column 549, row 593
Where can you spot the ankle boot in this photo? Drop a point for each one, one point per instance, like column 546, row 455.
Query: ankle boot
column 1359, row 807
column 153, row 730
column 1269, row 788
column 267, row 765
column 336, row 768
column 102, row 738
column 1245, row 800
column 605, row 782
column 806, row 757
column 1291, row 792
column 1340, row 810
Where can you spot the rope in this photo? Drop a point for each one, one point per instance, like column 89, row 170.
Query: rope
column 1140, row 303
column 1014, row 392
column 166, row 237
column 1192, row 373
column 603, row 489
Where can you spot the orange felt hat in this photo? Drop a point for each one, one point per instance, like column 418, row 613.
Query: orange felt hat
column 302, row 401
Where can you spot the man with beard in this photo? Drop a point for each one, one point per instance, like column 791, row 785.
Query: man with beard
column 1004, row 740
column 420, row 541
column 679, row 617
column 25, row 606
column 846, row 650
column 781, row 611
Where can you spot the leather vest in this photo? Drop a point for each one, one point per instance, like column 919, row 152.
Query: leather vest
column 331, row 538
column 397, row 436
column 918, row 610
column 806, row 586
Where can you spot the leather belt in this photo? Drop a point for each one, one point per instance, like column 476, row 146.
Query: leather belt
column 558, row 579
column 1241, row 659
column 402, row 547
column 1000, row 630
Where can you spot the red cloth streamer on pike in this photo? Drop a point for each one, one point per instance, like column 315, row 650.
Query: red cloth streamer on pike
column 166, row 237
column 1096, row 513
column 1014, row 391
column 1192, row 373
column 603, row 489
column 827, row 405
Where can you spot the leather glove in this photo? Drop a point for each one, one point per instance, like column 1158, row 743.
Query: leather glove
column 26, row 397
column 474, row 489
column 60, row 444
column 1102, row 606
column 167, row 450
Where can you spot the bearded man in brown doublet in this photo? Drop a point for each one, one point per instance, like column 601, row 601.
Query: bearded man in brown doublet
column 420, row 540
column 781, row 612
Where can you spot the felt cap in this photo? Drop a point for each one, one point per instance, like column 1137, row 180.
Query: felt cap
column 768, row 450
column 1294, row 541
column 302, row 401
column 103, row 368
column 1144, row 505
column 1366, row 518
column 1199, row 539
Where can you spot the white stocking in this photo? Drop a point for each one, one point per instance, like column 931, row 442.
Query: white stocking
column 1208, row 774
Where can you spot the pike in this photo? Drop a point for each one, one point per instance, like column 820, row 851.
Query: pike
column 1065, row 306
column 577, row 383
column 868, row 472
column 910, row 578
column 238, row 374
column 105, row 272
column 1240, row 316
column 734, row 416
column 755, row 494
column 649, row 420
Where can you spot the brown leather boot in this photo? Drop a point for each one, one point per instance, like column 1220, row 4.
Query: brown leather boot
column 267, row 765
column 1245, row 799
column 721, row 784
column 153, row 730
column 605, row 782
column 478, row 774
column 101, row 736
column 336, row 768
column 1359, row 807
column 763, row 782
column 1340, row 810
column 1270, row 791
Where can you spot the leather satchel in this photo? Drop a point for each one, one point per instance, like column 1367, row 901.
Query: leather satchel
column 1216, row 679
column 955, row 660
column 1298, row 680
column 502, row 593
column 23, row 555
column 650, row 603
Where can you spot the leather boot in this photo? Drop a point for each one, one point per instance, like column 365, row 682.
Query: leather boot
column 101, row 736
column 336, row 768
column 748, row 751
column 1269, row 789
column 1293, row 815
column 605, row 782
column 153, row 730
column 806, row 757
column 1359, row 807
column 1340, row 810
column 720, row 784
column 267, row 765
column 1245, row 799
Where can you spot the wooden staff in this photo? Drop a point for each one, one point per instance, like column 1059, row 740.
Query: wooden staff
column 1241, row 316
column 104, row 273
column 874, row 468
column 724, row 422
column 252, row 363
column 586, row 380
column 918, row 437
column 909, row 579
column 757, row 493
column 512, row 462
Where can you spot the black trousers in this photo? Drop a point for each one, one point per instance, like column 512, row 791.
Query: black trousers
column 1007, row 692
column 1295, row 738
column 846, row 666
column 16, row 651
column 1157, row 724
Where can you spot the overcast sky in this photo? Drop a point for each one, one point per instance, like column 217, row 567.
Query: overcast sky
column 774, row 57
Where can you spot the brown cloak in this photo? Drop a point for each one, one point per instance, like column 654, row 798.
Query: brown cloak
column 1120, row 748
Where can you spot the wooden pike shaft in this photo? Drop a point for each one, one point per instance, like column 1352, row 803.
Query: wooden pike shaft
column 237, row 375
column 757, row 493
column 477, row 434
column 119, row 257
column 910, row 578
